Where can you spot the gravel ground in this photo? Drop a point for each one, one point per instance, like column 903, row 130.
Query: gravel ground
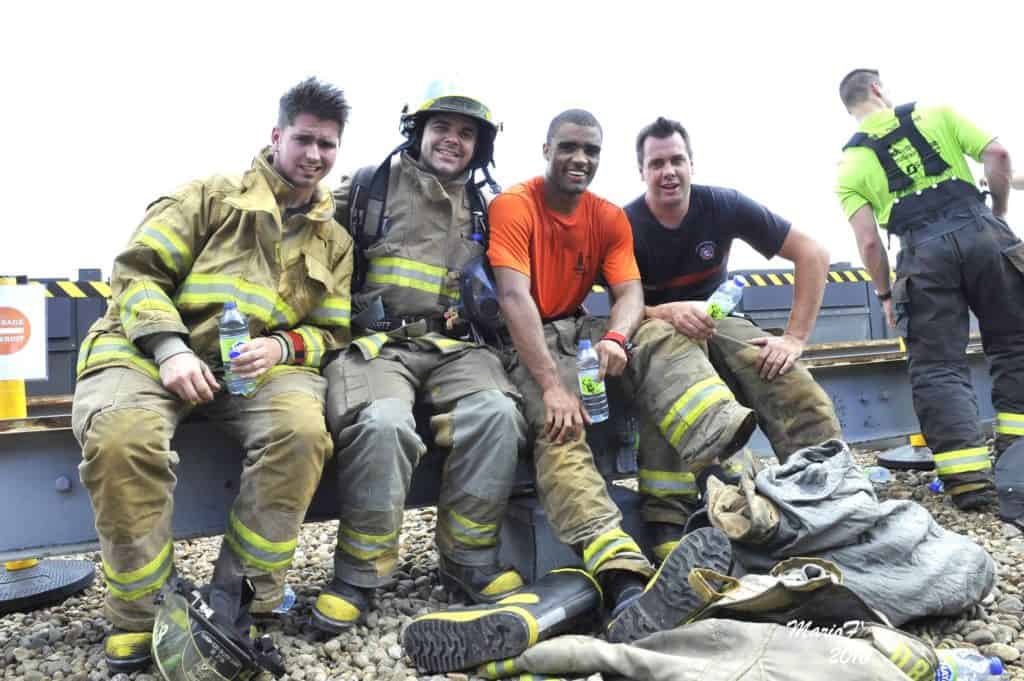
column 65, row 642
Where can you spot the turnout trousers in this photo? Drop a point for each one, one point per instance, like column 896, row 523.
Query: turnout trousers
column 793, row 411
column 963, row 259
column 692, row 410
column 125, row 420
column 473, row 414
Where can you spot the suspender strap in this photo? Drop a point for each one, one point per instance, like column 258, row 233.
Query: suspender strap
column 898, row 180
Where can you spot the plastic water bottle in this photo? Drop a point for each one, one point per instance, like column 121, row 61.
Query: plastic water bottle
column 287, row 602
column 725, row 298
column 234, row 331
column 595, row 399
column 967, row 664
column 878, row 474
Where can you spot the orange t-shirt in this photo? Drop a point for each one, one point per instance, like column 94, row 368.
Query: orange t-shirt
column 561, row 254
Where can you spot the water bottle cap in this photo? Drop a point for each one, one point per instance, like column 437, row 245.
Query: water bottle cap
column 995, row 666
column 584, row 344
column 739, row 281
column 230, row 305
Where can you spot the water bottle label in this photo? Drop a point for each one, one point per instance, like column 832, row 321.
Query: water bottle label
column 229, row 349
column 591, row 387
column 944, row 672
column 717, row 311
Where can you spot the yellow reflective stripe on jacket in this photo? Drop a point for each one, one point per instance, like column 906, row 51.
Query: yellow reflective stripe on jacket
column 255, row 550
column 471, row 533
column 667, row 483
column 133, row 585
column 688, row 408
column 172, row 251
column 606, row 546
column 366, row 546
column 114, row 350
column 314, row 341
column 411, row 274
column 332, row 311
column 1009, row 424
column 254, row 300
column 143, row 296
column 370, row 345
column 444, row 343
column 962, row 461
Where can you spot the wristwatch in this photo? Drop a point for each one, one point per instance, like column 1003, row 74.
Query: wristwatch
column 884, row 296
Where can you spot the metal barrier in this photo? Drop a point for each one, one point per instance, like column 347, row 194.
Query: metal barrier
column 45, row 511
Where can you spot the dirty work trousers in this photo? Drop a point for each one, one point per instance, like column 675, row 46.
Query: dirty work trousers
column 474, row 415
column 963, row 259
column 793, row 411
column 693, row 411
column 125, row 420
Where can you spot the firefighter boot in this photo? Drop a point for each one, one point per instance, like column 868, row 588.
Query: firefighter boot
column 340, row 606
column 128, row 651
column 480, row 584
column 668, row 599
column 462, row 638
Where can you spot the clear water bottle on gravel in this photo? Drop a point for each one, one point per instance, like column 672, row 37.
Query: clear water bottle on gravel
column 878, row 474
column 967, row 664
column 595, row 399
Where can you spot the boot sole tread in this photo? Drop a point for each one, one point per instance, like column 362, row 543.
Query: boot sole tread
column 440, row 645
column 671, row 599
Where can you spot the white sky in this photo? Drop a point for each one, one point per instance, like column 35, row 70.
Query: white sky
column 109, row 105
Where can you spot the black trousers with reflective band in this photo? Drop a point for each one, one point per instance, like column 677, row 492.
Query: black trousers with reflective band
column 964, row 259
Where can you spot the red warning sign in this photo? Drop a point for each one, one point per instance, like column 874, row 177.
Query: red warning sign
column 14, row 330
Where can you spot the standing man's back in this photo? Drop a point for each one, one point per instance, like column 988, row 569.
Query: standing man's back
column 905, row 170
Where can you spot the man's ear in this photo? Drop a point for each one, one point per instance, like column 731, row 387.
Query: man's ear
column 275, row 137
column 547, row 151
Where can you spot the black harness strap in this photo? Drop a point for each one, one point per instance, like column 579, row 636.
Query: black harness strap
column 898, row 180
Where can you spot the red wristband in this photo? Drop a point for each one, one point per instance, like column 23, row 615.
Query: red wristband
column 298, row 347
column 615, row 337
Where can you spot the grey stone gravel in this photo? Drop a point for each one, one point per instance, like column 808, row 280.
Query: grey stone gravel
column 65, row 642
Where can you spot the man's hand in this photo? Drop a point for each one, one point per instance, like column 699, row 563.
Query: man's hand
column 890, row 316
column 189, row 378
column 778, row 354
column 564, row 414
column 612, row 357
column 689, row 318
column 256, row 356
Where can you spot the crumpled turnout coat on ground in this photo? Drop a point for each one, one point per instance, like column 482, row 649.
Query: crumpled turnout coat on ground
column 893, row 554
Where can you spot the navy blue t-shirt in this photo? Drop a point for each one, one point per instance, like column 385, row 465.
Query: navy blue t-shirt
column 691, row 261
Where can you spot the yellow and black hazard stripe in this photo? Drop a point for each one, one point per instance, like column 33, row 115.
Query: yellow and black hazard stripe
column 67, row 289
column 780, row 278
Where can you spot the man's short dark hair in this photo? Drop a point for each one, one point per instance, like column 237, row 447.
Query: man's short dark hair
column 574, row 116
column 661, row 128
column 855, row 87
column 312, row 96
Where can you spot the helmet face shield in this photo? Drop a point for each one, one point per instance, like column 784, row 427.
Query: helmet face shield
column 186, row 647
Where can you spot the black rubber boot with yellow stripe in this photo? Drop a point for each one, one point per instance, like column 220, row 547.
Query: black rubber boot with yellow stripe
column 463, row 638
column 480, row 584
column 668, row 598
column 128, row 651
column 339, row 607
